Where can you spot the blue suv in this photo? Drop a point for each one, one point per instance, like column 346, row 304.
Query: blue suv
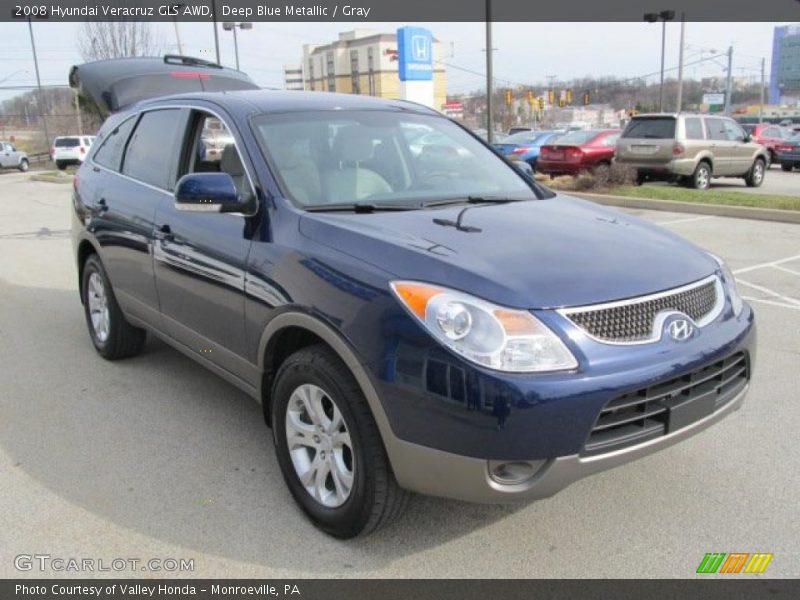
column 414, row 317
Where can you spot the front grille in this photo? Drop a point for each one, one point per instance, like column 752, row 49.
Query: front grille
column 632, row 321
column 668, row 406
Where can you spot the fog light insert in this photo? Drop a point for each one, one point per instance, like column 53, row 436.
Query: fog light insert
column 513, row 472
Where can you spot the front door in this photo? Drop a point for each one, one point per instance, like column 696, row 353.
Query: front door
column 200, row 258
column 722, row 147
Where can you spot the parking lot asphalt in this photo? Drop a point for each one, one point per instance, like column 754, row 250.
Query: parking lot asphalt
column 776, row 182
column 155, row 457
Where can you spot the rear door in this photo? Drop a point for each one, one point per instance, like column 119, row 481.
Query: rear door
column 721, row 145
column 131, row 174
column 647, row 141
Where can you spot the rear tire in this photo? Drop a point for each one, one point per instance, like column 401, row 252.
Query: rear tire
column 113, row 337
column 701, row 179
column 755, row 177
column 23, row 165
column 61, row 165
column 316, row 377
column 601, row 171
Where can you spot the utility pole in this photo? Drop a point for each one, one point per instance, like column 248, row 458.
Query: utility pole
column 729, row 82
column 761, row 101
column 661, row 83
column 489, row 83
column 78, row 113
column 680, row 66
column 39, row 86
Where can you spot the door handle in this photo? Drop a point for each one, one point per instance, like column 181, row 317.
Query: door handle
column 101, row 207
column 164, row 233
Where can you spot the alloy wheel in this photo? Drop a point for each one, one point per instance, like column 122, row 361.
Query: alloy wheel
column 320, row 445
column 98, row 307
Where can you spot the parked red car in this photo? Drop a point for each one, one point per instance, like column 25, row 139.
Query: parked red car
column 768, row 135
column 576, row 151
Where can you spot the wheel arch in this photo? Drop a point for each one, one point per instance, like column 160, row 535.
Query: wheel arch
column 85, row 250
column 291, row 331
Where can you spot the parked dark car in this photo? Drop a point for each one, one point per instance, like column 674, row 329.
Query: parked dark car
column 788, row 153
column 579, row 151
column 430, row 322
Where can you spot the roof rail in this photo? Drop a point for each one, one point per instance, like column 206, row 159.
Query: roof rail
column 177, row 59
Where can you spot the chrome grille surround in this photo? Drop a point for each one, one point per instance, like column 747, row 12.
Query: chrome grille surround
column 640, row 320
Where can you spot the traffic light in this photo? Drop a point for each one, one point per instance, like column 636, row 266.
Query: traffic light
column 569, row 97
column 551, row 97
column 509, row 97
column 587, row 99
column 531, row 98
column 541, row 102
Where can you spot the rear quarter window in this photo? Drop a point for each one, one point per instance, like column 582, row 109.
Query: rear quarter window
column 109, row 154
column 651, row 128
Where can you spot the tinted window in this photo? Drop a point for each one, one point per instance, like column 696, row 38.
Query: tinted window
column 149, row 154
column 661, row 128
column 694, row 129
column 67, row 142
column 733, row 131
column 109, row 154
column 716, row 129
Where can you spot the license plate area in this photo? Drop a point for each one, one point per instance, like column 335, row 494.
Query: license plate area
column 682, row 411
column 644, row 149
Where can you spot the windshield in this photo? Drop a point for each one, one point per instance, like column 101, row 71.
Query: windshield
column 381, row 158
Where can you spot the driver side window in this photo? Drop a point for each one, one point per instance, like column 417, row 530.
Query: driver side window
column 212, row 148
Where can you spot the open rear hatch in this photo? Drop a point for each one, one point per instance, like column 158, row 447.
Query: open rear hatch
column 117, row 83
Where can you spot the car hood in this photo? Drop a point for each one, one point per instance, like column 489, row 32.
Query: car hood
column 533, row 254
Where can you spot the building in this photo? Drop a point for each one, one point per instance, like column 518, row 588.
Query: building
column 784, row 80
column 293, row 77
column 363, row 61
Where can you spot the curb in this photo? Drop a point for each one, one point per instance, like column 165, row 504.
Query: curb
column 717, row 210
column 51, row 178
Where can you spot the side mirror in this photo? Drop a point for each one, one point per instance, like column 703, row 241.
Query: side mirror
column 523, row 167
column 210, row 192
column 748, row 138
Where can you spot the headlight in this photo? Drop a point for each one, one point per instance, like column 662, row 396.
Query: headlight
column 730, row 283
column 484, row 333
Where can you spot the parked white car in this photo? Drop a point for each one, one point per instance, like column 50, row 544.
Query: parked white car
column 70, row 149
column 11, row 158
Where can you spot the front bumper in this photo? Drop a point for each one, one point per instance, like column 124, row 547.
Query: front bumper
column 438, row 473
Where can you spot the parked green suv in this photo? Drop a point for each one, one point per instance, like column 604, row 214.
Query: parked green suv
column 691, row 149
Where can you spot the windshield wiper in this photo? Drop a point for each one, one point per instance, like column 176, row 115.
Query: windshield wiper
column 471, row 200
column 359, row 207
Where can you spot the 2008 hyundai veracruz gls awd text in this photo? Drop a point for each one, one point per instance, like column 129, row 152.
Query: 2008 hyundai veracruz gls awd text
column 414, row 313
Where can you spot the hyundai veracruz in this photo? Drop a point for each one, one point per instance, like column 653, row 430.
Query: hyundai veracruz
column 413, row 312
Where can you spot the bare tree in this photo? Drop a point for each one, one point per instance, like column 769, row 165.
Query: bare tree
column 101, row 41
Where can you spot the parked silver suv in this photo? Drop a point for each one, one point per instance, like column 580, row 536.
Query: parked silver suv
column 691, row 149
column 11, row 158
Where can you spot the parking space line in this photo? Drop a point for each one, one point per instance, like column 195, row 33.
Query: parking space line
column 766, row 264
column 769, row 292
column 786, row 270
column 771, row 302
column 686, row 220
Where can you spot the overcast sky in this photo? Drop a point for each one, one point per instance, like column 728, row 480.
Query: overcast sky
column 526, row 52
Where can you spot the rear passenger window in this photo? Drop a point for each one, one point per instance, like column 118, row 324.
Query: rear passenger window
column 694, row 129
column 109, row 154
column 149, row 156
column 716, row 129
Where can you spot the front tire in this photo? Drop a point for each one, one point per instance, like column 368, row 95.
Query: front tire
column 755, row 177
column 701, row 179
column 786, row 167
column 23, row 165
column 113, row 337
column 329, row 448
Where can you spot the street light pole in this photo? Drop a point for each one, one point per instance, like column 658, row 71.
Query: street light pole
column 489, row 82
column 729, row 82
column 214, row 22
column 761, row 101
column 679, row 103
column 229, row 26
column 236, row 47
column 39, row 86
column 663, row 16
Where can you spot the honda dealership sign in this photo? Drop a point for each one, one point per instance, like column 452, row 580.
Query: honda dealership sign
column 415, row 54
